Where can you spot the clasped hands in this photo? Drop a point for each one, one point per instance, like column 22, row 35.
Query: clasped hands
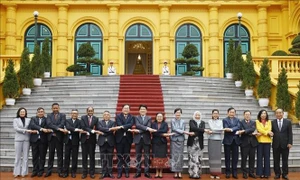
column 151, row 130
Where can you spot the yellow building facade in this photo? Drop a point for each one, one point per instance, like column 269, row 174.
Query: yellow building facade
column 155, row 31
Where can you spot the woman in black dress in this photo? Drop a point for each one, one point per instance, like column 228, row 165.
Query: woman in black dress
column 159, row 144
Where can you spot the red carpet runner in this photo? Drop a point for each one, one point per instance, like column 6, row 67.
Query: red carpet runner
column 141, row 89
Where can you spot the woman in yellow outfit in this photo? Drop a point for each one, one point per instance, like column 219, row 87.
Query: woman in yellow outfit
column 264, row 134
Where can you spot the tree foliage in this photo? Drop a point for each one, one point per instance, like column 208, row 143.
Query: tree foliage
column 264, row 84
column 249, row 74
column 238, row 64
column 283, row 98
column 46, row 58
column 25, row 73
column 279, row 53
column 230, row 57
column 189, row 53
column 295, row 49
column 10, row 84
column 37, row 64
column 86, row 55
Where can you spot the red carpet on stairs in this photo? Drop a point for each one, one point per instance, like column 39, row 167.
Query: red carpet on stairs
column 141, row 89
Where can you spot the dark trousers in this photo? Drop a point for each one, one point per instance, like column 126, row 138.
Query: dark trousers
column 123, row 154
column 88, row 149
column 263, row 159
column 248, row 151
column 70, row 149
column 138, row 150
column 284, row 152
column 39, row 151
column 55, row 144
column 106, row 155
column 233, row 151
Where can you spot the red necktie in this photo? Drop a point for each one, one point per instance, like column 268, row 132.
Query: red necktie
column 90, row 120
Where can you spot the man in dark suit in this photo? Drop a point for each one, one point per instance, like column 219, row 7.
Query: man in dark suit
column 88, row 141
column 56, row 122
column 248, row 144
column 71, row 141
column 39, row 142
column 124, row 140
column 106, row 143
column 142, row 140
column 231, row 142
column 282, row 143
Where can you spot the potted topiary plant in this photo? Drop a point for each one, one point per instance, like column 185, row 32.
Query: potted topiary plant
column 279, row 53
column 238, row 64
column 37, row 66
column 10, row 84
column 46, row 58
column 230, row 60
column 283, row 98
column 248, row 75
column 297, row 105
column 25, row 73
column 189, row 53
column 86, row 55
column 264, row 84
column 295, row 49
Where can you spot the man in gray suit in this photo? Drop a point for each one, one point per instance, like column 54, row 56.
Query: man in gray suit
column 142, row 140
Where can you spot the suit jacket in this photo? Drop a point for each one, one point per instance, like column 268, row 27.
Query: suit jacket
column 70, row 126
column 198, row 133
column 285, row 136
column 229, row 137
column 142, row 126
column 84, row 123
column 108, row 136
column 177, row 127
column 247, row 137
column 55, row 125
column 157, row 136
column 20, row 134
column 127, row 124
column 35, row 125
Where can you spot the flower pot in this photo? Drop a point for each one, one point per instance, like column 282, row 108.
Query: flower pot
column 249, row 92
column 229, row 75
column 285, row 114
column 238, row 83
column 26, row 91
column 263, row 102
column 10, row 101
column 46, row 74
column 37, row 81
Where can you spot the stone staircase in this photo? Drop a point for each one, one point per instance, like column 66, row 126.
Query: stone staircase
column 188, row 93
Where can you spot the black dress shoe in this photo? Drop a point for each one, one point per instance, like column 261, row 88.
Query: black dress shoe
column 65, row 175
column 227, row 176
column 48, row 174
column 127, row 175
column 73, row 175
column 136, row 175
column 61, row 175
column 40, row 174
column 285, row 177
column 245, row 176
column 119, row 176
column 147, row 175
column 34, row 174
column 92, row 176
column 102, row 176
column 83, row 176
column 252, row 175
column 110, row 176
column 235, row 176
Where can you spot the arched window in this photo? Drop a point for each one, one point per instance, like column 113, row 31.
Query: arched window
column 42, row 32
column 138, row 32
column 232, row 32
column 187, row 34
column 90, row 33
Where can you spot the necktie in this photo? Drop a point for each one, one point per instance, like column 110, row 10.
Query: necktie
column 143, row 117
column 280, row 125
column 40, row 121
column 106, row 122
column 55, row 116
column 90, row 120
